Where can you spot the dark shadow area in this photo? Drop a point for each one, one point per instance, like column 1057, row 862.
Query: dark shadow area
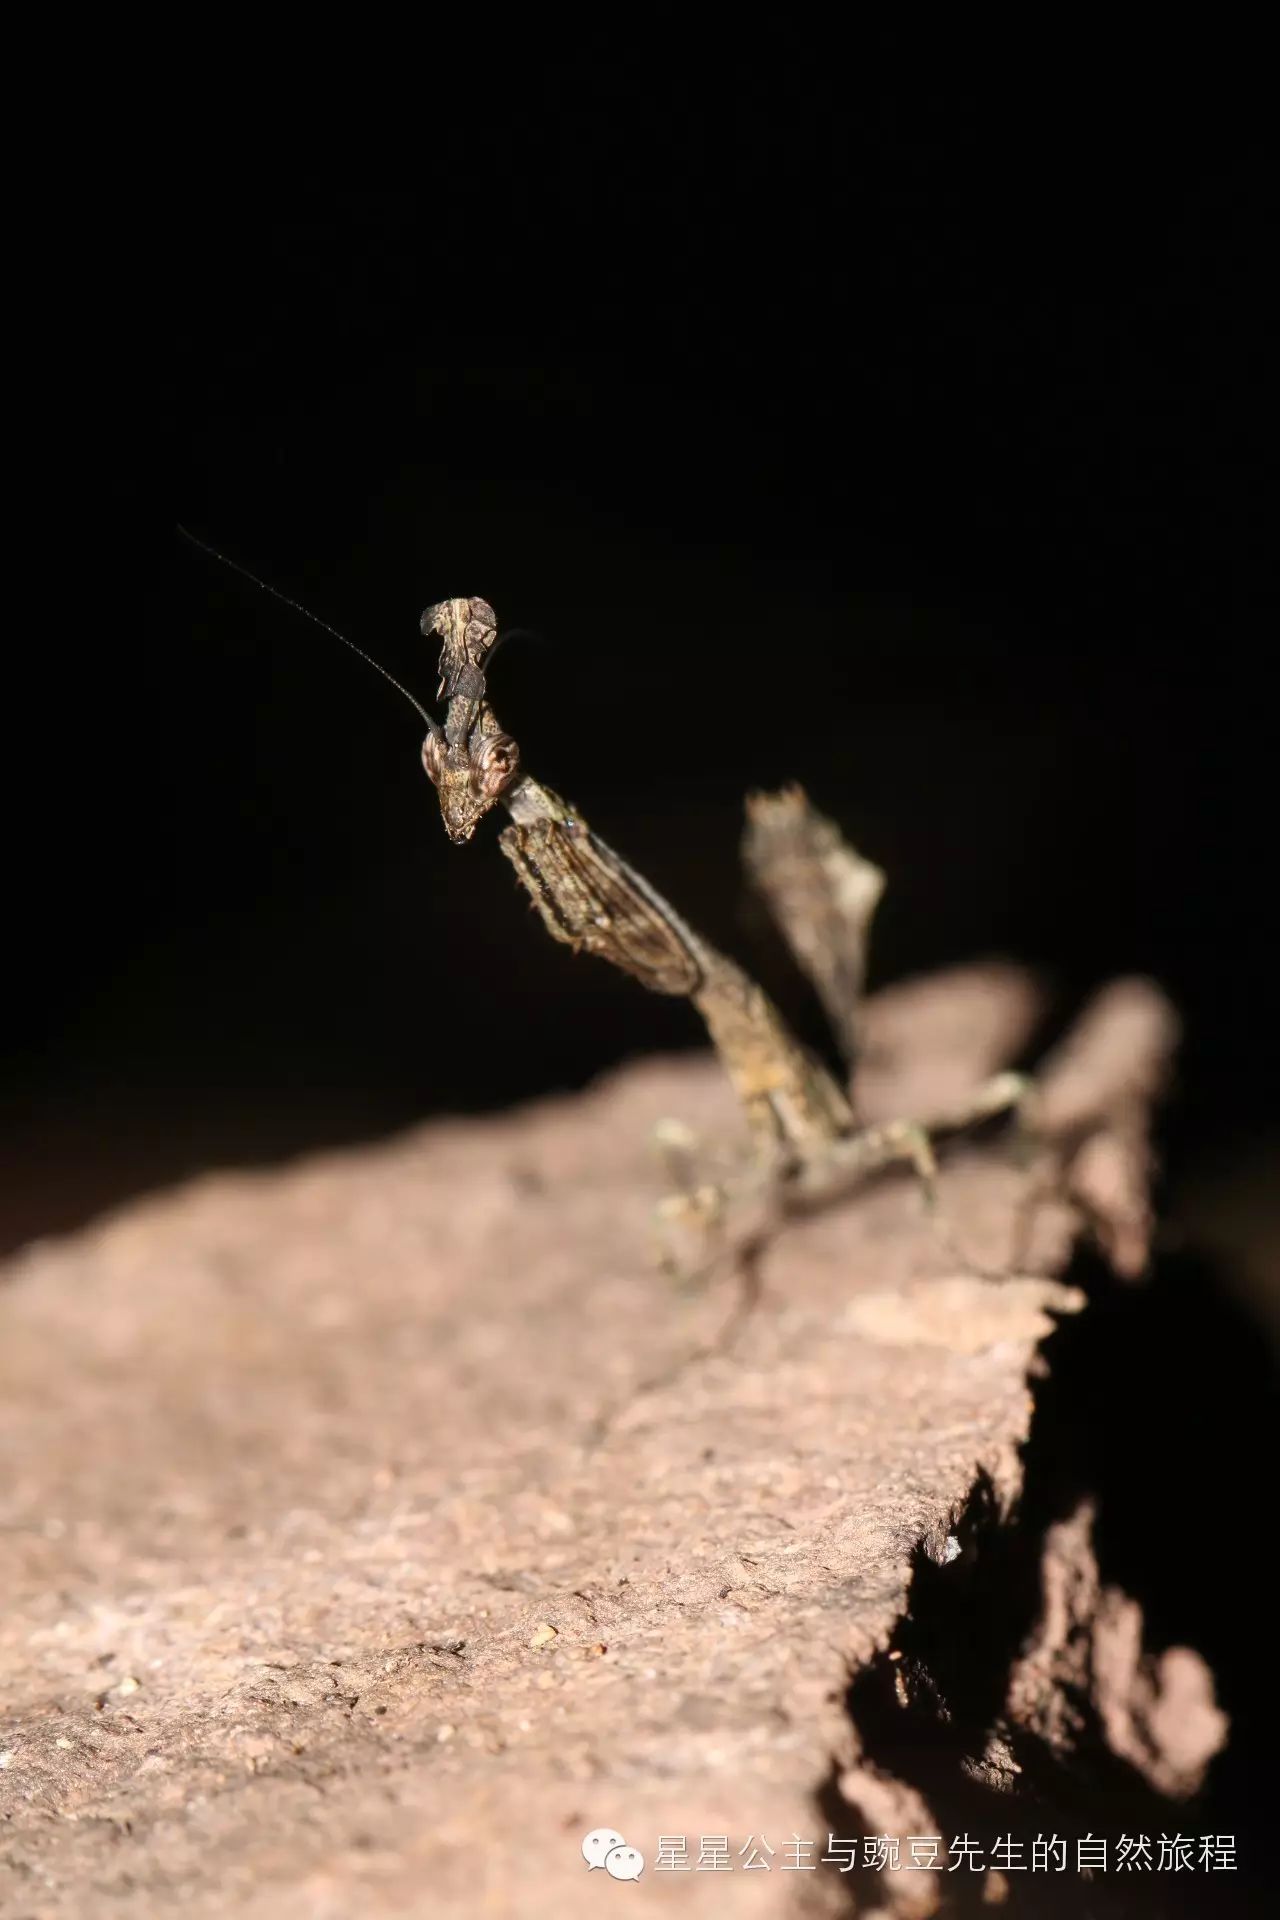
column 1159, row 1405
column 959, row 532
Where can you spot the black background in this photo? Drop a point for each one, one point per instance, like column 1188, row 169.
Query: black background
column 812, row 442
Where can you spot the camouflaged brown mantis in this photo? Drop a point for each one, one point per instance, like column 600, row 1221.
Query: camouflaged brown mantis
column 807, row 1145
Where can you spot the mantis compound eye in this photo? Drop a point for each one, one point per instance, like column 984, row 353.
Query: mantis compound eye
column 496, row 764
column 433, row 756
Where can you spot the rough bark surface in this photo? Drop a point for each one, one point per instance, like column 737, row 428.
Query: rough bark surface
column 373, row 1529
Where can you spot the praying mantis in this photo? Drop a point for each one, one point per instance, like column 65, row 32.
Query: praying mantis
column 807, row 1144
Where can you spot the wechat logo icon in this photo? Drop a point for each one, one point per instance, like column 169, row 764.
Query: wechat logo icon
column 605, row 1847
